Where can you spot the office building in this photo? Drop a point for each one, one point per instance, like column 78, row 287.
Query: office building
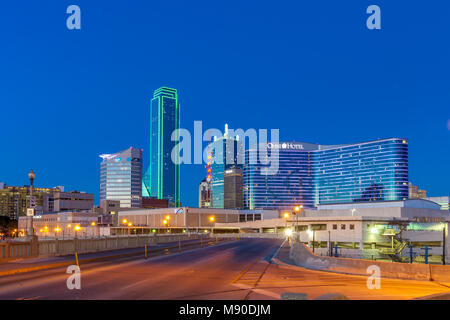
column 225, row 154
column 15, row 200
column 204, row 194
column 312, row 174
column 121, row 177
column 74, row 201
column 162, row 179
column 415, row 192
column 233, row 188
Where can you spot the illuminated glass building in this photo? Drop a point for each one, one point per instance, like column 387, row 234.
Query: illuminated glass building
column 225, row 152
column 162, row 179
column 121, row 177
column 312, row 174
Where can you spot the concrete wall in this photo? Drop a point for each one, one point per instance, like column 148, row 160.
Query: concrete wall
column 304, row 257
column 17, row 250
column 67, row 247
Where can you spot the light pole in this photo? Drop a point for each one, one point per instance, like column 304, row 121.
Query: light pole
column 297, row 210
column 31, row 176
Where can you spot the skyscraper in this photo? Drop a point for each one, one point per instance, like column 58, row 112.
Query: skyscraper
column 232, row 196
column 162, row 179
column 121, row 176
column 225, row 153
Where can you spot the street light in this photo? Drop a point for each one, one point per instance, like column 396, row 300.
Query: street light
column 297, row 210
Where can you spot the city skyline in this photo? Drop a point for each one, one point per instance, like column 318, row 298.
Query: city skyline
column 352, row 85
column 218, row 156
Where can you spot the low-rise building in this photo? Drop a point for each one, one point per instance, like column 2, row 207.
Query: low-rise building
column 184, row 219
column 58, row 201
column 62, row 224
column 443, row 202
column 369, row 230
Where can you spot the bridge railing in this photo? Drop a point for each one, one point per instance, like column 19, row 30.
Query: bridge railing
column 15, row 250
column 58, row 247
column 249, row 235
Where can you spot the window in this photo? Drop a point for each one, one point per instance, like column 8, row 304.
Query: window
column 302, row 228
column 352, row 227
column 334, row 226
column 342, row 226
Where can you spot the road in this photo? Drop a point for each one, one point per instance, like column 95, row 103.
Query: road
column 229, row 270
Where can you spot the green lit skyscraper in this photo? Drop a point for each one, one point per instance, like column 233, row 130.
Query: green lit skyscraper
column 162, row 179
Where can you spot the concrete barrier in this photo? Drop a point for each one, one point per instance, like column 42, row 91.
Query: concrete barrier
column 304, row 257
column 16, row 250
column 68, row 247
column 440, row 273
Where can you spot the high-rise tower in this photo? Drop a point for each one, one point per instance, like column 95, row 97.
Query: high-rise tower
column 162, row 179
column 225, row 152
column 120, row 177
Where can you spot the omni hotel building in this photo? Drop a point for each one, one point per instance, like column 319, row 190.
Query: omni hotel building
column 312, row 174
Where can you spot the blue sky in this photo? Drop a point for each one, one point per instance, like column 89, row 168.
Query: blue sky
column 309, row 68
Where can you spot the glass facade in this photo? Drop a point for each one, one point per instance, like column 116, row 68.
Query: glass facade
column 311, row 174
column 121, row 177
column 225, row 152
column 162, row 179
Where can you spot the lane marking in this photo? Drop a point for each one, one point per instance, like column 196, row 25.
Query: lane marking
column 260, row 291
